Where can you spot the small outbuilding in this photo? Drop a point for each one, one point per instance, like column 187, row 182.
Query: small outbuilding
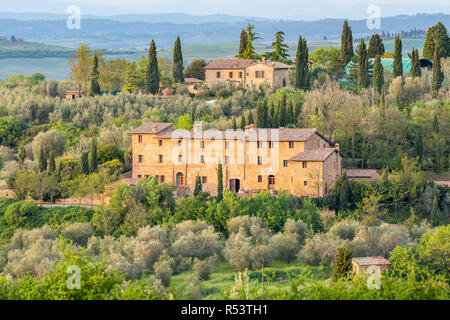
column 362, row 264
column 72, row 95
column 360, row 174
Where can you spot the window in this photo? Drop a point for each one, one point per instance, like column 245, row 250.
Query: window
column 161, row 158
column 259, row 160
column 179, row 143
column 139, row 176
column 141, row 158
column 259, row 179
column 305, row 183
column 259, row 74
column 291, row 144
column 160, row 143
column 204, row 180
column 162, row 179
column 270, row 144
column 259, row 144
column 140, row 138
column 180, row 158
column 227, row 145
column 202, row 144
column 285, row 163
column 202, row 159
column 157, row 177
column 271, row 180
column 227, row 159
column 304, row 164
column 218, row 74
column 230, row 75
column 240, row 75
column 147, row 176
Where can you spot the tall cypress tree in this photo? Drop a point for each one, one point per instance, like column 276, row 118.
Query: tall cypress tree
column 363, row 66
column 438, row 75
column 290, row 113
column 198, row 186
column 95, row 87
column 342, row 264
column 250, row 117
column 398, row 63
column 177, row 62
column 152, row 72
column 376, row 46
column 93, row 161
column 283, row 111
column 302, row 65
column 42, row 160
column 346, row 43
column 243, row 124
column 419, row 143
column 378, row 74
column 415, row 64
column 234, row 123
column 435, row 213
column 51, row 163
column 85, row 163
column 261, row 114
column 243, row 42
column 219, row 182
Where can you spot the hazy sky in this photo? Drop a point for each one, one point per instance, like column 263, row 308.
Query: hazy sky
column 290, row 9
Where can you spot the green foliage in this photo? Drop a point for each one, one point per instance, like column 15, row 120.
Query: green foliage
column 438, row 75
column 242, row 42
column 346, row 43
column 219, row 182
column 280, row 52
column 184, row 122
column 109, row 152
column 95, row 87
column 310, row 215
column 93, row 157
column 302, row 65
column 398, row 63
column 376, row 46
column 436, row 37
column 378, row 75
column 152, row 72
column 198, row 186
column 177, row 62
column 10, row 131
column 196, row 69
column 434, row 250
column 249, row 52
column 363, row 66
column 342, row 264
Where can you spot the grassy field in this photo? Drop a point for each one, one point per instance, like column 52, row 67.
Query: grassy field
column 56, row 66
column 275, row 277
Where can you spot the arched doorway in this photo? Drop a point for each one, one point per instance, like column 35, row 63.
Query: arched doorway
column 235, row 185
column 179, row 178
column 271, row 181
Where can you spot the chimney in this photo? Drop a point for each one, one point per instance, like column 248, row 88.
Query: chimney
column 154, row 127
column 249, row 127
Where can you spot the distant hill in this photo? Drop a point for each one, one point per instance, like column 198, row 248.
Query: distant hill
column 129, row 32
column 32, row 50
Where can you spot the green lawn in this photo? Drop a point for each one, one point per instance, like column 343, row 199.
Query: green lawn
column 277, row 276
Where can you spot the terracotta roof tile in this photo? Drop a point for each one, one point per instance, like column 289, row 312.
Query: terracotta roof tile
column 229, row 63
column 151, row 127
column 362, row 173
column 314, row 155
column 366, row 261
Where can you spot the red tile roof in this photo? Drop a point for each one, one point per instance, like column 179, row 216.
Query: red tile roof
column 367, row 261
column 314, row 155
column 152, row 127
column 362, row 173
column 229, row 63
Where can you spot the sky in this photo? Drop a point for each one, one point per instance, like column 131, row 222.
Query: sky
column 280, row 9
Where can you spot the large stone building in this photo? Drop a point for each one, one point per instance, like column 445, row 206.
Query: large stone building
column 300, row 161
column 250, row 73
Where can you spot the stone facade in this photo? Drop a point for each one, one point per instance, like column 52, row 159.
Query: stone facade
column 300, row 161
column 249, row 73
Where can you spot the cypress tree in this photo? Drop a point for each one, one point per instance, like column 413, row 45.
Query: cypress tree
column 22, row 154
column 283, row 111
column 85, row 162
column 435, row 126
column 219, row 182
column 346, row 43
column 152, row 72
column 435, row 213
column 51, row 163
column 376, row 46
column 398, row 63
column 378, row 75
column 415, row 64
column 95, row 87
column 198, row 186
column 419, row 143
column 250, row 117
column 260, row 123
column 302, row 65
column 363, row 66
column 243, row 124
column 438, row 75
column 234, row 123
column 437, row 36
column 243, row 42
column 42, row 160
column 93, row 161
column 290, row 113
column 342, row 264
column 177, row 62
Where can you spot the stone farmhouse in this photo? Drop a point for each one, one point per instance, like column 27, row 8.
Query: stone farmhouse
column 250, row 73
column 300, row 161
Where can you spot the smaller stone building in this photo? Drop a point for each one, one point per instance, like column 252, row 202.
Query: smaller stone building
column 364, row 264
column 248, row 72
